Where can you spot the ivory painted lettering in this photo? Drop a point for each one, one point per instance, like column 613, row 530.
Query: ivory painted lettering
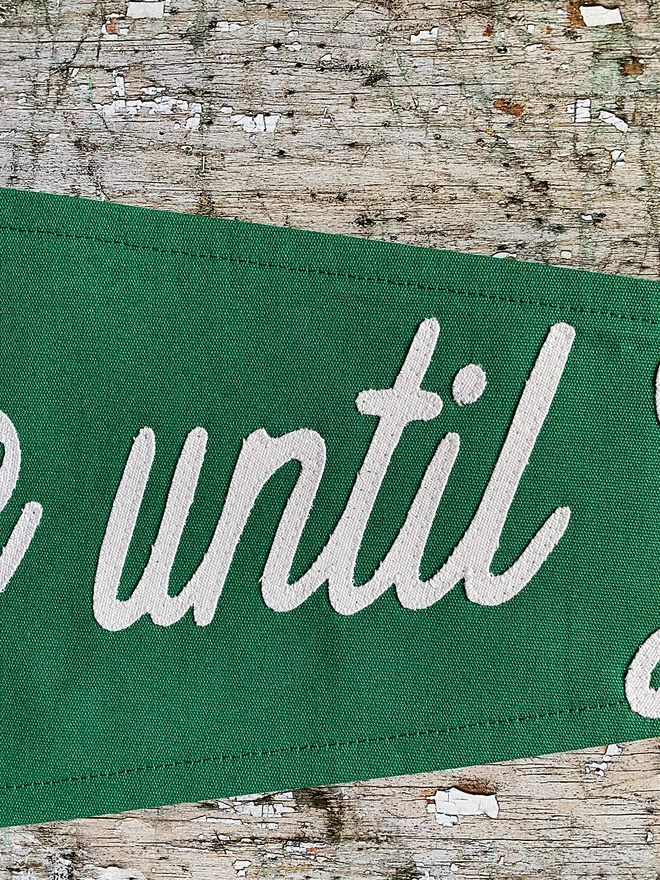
column 261, row 456
column 642, row 697
column 23, row 532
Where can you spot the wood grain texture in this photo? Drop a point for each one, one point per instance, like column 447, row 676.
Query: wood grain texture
column 559, row 817
column 475, row 126
column 459, row 139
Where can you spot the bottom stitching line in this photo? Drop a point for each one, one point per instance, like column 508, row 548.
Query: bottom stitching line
column 194, row 762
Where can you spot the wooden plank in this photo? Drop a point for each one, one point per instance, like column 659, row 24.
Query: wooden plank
column 571, row 815
column 478, row 126
column 458, row 139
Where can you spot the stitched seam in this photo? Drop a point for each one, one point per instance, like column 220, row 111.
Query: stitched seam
column 307, row 747
column 394, row 282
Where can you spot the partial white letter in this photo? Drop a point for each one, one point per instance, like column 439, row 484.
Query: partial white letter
column 151, row 594
column 482, row 539
column 261, row 456
column 395, row 408
column 473, row 555
column 23, row 532
column 642, row 698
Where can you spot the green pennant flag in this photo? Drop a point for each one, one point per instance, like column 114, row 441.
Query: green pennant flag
column 283, row 509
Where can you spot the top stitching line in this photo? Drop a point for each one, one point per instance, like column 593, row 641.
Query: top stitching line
column 306, row 747
column 246, row 261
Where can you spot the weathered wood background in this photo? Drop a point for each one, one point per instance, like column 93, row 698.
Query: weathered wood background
column 506, row 127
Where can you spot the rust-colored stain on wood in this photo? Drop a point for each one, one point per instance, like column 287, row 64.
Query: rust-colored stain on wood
column 575, row 19
column 631, row 67
column 111, row 25
column 510, row 107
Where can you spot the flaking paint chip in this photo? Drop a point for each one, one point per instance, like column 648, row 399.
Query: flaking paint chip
column 420, row 36
column 262, row 122
column 610, row 119
column 145, row 9
column 580, row 110
column 449, row 805
column 598, row 16
column 618, row 158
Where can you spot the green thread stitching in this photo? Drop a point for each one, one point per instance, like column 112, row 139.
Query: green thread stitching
column 373, row 740
column 245, row 261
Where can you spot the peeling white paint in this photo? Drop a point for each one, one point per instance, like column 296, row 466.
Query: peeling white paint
column 441, row 110
column 227, row 27
column 145, row 9
column 112, row 872
column 240, row 866
column 272, row 50
column 160, row 104
column 217, row 820
column 119, row 89
column 262, row 122
column 566, row 255
column 531, row 28
column 61, row 869
column 597, row 16
column 294, row 47
column 533, row 47
column 449, row 805
column 261, row 808
column 597, row 768
column 580, row 110
column 587, row 216
column 504, row 255
column 105, row 33
column 610, row 119
column 649, row 837
column 420, row 36
column 256, row 806
column 618, row 158
column 226, row 109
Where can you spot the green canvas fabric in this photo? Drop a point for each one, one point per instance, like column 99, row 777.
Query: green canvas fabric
column 115, row 319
